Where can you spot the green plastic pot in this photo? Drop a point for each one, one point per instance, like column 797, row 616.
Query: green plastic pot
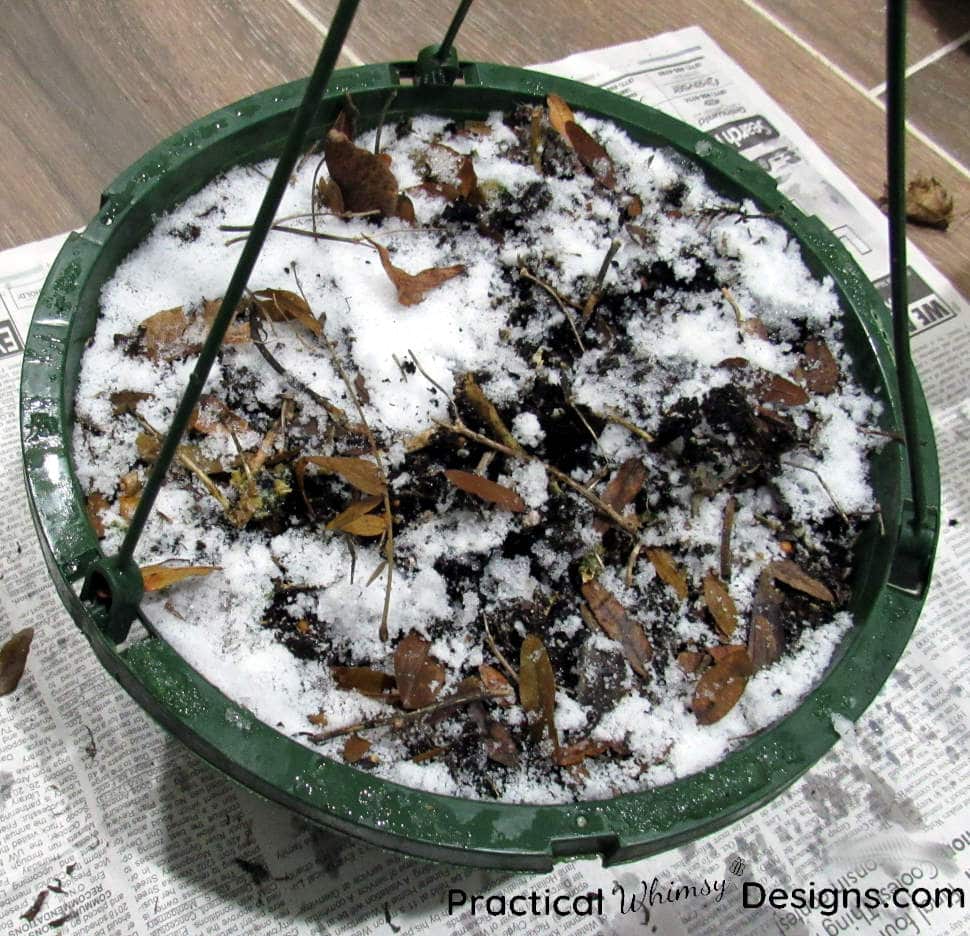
column 893, row 561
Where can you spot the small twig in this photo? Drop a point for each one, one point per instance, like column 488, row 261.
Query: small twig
column 256, row 334
column 400, row 367
column 733, row 303
column 596, row 294
column 825, row 487
column 624, row 523
column 614, row 417
column 493, row 646
column 571, row 402
column 525, row 274
column 372, row 441
column 397, row 720
column 380, row 121
column 434, row 383
column 286, row 229
column 189, row 462
column 243, row 460
column 631, row 563
column 727, row 523
column 535, row 136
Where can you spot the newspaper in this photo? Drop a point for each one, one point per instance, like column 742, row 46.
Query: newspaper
column 110, row 827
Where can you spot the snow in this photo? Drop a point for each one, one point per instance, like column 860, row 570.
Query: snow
column 675, row 341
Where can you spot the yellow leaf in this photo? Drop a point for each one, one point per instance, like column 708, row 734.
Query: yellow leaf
column 537, row 689
column 157, row 577
column 669, row 571
column 720, row 604
column 560, row 114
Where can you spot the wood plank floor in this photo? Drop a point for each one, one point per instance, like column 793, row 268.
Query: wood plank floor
column 91, row 84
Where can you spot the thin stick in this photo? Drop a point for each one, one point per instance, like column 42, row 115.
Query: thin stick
column 596, row 294
column 493, row 646
column 631, row 563
column 400, row 367
column 380, row 123
column 825, row 487
column 523, row 272
column 624, row 523
column 434, row 383
column 733, row 303
column 256, row 333
column 397, row 720
column 614, row 417
column 286, row 229
column 182, row 454
column 727, row 523
column 389, row 541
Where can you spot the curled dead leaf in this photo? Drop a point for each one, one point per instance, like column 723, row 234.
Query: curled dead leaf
column 668, row 571
column 126, row 401
column 355, row 511
column 503, row 497
column 622, row 489
column 95, row 507
column 365, row 179
column 157, row 577
column 281, row 305
column 721, row 686
column 592, row 155
column 13, row 659
column 129, row 493
column 612, row 617
column 496, row 686
column 537, row 689
column 357, row 472
column 363, row 679
column 329, row 196
column 793, row 575
column 161, row 334
column 419, row 678
column 412, row 287
column 355, row 749
column 560, row 113
column 213, row 417
column 500, row 746
column 819, row 370
column 720, row 604
column 768, row 387
column 927, row 202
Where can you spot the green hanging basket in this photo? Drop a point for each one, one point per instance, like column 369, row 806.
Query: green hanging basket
column 893, row 560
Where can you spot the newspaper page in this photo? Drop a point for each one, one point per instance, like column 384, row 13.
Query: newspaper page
column 110, row 827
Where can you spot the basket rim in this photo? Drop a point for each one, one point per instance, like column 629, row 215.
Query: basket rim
column 502, row 835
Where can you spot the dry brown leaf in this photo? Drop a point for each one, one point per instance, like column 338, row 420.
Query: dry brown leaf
column 820, row 370
column 358, row 473
column 13, row 659
column 500, row 746
column 405, row 209
column 355, row 749
column 212, row 417
column 368, row 682
column 690, row 661
column 238, row 330
column 451, row 169
column 634, row 207
column 95, row 506
column 330, row 197
column 281, row 305
column 365, row 179
column 369, row 525
column 411, row 287
column 619, row 626
column 162, row 332
column 592, row 155
column 537, row 689
column 419, row 678
column 571, row 754
column 793, row 575
column 488, row 413
column 356, row 510
column 720, row 604
column 319, row 719
column 129, row 493
column 719, row 689
column 768, row 387
column 126, row 401
column 503, row 497
column 157, row 577
column 927, row 202
column 496, row 686
column 622, row 489
column 668, row 570
column 560, row 114
column 429, row 754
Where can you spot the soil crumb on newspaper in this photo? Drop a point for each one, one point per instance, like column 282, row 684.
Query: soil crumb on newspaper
column 529, row 470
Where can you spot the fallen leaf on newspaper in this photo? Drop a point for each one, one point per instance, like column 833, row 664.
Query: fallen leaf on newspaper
column 13, row 660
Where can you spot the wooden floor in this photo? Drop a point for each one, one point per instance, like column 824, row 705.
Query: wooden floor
column 89, row 85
